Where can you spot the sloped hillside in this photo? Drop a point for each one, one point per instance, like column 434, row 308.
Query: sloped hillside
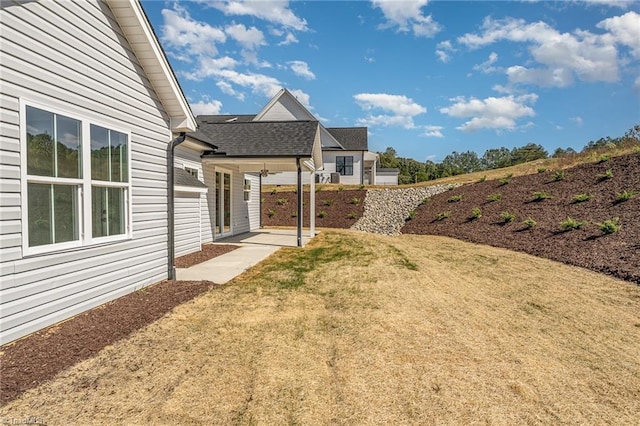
column 553, row 214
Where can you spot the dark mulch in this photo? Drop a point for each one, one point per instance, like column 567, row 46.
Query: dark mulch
column 341, row 208
column 615, row 254
column 208, row 251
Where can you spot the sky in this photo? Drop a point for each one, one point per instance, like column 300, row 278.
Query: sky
column 425, row 77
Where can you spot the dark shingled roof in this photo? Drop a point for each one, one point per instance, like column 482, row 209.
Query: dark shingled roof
column 181, row 177
column 237, row 118
column 351, row 138
column 260, row 138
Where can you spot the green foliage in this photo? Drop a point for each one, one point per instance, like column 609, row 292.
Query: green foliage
column 455, row 198
column 322, row 214
column 610, row 226
column 355, row 200
column 542, row 169
column 504, row 181
column 458, row 163
column 604, row 158
column 606, row 175
column 494, row 197
column 294, row 214
column 443, row 215
column 340, row 188
column 274, row 191
column 476, row 212
column 426, row 200
column 318, row 188
column 327, row 202
column 412, row 214
column 361, row 187
column 507, row 216
column 529, row 223
column 271, row 213
column 625, row 196
column 580, row 198
column 482, row 179
column 541, row 195
column 529, row 152
column 352, row 215
column 560, row 152
column 558, row 175
column 281, row 201
column 570, row 224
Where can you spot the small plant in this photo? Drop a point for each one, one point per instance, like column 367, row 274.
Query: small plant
column 558, row 176
column 271, row 213
column 604, row 158
column 355, row 200
column 294, row 214
column 412, row 215
column 482, row 179
column 623, row 196
column 580, row 198
column 274, row 191
column 352, row 215
column 443, row 215
column 494, row 197
column 295, row 190
column 425, row 200
column 610, row 226
column 318, row 188
column 476, row 213
column 281, row 201
column 327, row 202
column 455, row 198
column 361, row 187
column 569, row 224
column 529, row 223
column 542, row 169
column 507, row 217
column 504, row 181
column 606, row 175
column 322, row 214
column 451, row 187
column 541, row 195
column 340, row 188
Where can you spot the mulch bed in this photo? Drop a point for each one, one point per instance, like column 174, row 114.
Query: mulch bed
column 616, row 254
column 208, row 251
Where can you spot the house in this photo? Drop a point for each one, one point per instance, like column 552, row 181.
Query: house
column 89, row 109
column 387, row 176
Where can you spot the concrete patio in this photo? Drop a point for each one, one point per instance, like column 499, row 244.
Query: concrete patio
column 254, row 248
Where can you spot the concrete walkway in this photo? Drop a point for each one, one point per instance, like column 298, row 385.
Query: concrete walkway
column 254, row 248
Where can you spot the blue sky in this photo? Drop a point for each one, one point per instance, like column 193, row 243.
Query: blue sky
column 425, row 77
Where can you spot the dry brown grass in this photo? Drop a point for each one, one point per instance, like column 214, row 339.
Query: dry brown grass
column 364, row 329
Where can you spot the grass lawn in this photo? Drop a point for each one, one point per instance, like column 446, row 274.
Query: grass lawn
column 365, row 329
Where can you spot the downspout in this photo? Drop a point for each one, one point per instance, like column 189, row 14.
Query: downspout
column 260, row 200
column 299, row 217
column 171, row 271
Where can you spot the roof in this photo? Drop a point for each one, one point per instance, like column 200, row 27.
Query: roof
column 240, row 118
column 351, row 138
column 142, row 39
column 181, row 177
column 260, row 138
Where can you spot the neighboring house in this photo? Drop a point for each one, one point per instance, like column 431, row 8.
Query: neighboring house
column 89, row 106
column 387, row 176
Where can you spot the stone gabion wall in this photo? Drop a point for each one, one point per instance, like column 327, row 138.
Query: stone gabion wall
column 385, row 210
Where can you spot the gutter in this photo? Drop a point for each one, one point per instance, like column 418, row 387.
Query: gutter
column 171, row 271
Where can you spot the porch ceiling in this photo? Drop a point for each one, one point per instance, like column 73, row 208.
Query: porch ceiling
column 257, row 164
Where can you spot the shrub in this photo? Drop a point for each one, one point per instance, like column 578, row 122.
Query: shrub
column 559, row 175
column 352, row 215
column 271, row 213
column 426, row 200
column 443, row 215
column 504, row 181
column 494, row 197
column 507, row 216
column 529, row 223
column 509, row 175
column 340, row 188
column 541, row 195
column 318, row 188
column 570, row 224
column 455, row 198
column 327, row 202
column 281, row 201
column 355, row 200
column 361, row 187
column 451, row 187
column 412, row 214
column 604, row 158
column 606, row 175
column 294, row 214
column 582, row 198
column 274, row 191
column 610, row 226
column 322, row 214
column 482, row 179
column 542, row 169
column 625, row 196
column 476, row 213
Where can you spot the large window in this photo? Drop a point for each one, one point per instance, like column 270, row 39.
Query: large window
column 70, row 201
column 344, row 165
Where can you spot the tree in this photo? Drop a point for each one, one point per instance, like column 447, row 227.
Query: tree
column 462, row 162
column 496, row 158
column 388, row 158
column 529, row 152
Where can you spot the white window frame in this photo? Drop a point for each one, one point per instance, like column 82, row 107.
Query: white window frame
column 246, row 192
column 83, row 184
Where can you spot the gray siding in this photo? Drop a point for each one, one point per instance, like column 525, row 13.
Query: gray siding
column 74, row 57
column 253, row 206
column 187, row 222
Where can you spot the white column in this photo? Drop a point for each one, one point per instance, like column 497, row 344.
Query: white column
column 312, row 204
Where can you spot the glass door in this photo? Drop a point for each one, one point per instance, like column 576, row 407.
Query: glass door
column 223, row 204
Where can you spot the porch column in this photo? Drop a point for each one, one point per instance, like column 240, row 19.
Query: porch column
column 299, row 217
column 312, row 204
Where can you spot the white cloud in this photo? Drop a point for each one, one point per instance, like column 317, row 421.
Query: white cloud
column 622, row 4
column 227, row 89
column 402, row 109
column 562, row 56
column 407, row 16
column 301, row 69
column 433, row 132
column 491, row 113
column 289, row 39
column 442, row 50
column 206, row 108
column 636, row 84
column 487, row 66
column 578, row 120
column 274, row 11
column 210, row 67
column 181, row 32
column 625, row 30
column 249, row 38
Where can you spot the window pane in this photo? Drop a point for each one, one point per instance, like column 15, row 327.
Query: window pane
column 68, row 147
column 40, row 230
column 107, row 211
column 65, row 213
column 116, row 211
column 118, row 157
column 40, row 153
column 99, row 153
column 99, row 211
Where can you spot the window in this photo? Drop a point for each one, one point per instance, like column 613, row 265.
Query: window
column 344, row 165
column 247, row 190
column 192, row 172
column 77, row 180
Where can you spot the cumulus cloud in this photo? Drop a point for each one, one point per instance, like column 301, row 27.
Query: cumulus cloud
column 288, row 39
column 625, row 30
column 206, row 108
column 182, row 32
column 407, row 16
column 301, row 68
column 274, row 11
column 433, row 132
column 443, row 50
column 248, row 38
column 398, row 110
column 487, row 66
column 491, row 113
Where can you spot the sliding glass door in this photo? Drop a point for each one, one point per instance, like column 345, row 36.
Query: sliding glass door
column 223, row 204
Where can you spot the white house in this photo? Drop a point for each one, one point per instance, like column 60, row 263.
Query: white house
column 89, row 106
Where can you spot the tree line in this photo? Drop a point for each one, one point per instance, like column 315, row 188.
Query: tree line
column 457, row 163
